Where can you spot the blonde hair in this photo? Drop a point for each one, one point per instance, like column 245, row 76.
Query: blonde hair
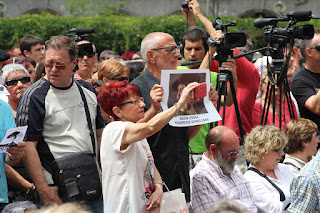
column 260, row 140
column 111, row 69
column 66, row 207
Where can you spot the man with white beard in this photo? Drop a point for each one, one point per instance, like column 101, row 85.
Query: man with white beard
column 216, row 176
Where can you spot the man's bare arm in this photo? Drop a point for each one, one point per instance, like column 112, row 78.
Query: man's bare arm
column 313, row 103
column 49, row 195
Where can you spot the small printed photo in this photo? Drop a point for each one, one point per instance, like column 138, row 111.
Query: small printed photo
column 178, row 82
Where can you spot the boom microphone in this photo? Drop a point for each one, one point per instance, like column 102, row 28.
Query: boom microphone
column 81, row 31
column 300, row 15
column 262, row 22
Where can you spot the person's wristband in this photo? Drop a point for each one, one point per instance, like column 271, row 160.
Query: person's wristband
column 31, row 188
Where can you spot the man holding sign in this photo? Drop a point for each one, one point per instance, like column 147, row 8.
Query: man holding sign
column 170, row 145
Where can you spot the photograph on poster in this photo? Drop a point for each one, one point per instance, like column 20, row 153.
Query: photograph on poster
column 200, row 110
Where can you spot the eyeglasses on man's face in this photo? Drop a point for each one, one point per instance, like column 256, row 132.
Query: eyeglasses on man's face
column 232, row 154
column 59, row 67
column 170, row 49
column 135, row 102
column 14, row 81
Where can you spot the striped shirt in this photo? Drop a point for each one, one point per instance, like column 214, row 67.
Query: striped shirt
column 209, row 184
column 305, row 188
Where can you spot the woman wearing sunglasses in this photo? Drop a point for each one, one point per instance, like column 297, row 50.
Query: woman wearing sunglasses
column 16, row 79
column 130, row 180
column 269, row 179
column 110, row 70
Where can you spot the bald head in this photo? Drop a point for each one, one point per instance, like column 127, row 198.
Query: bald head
column 152, row 41
column 219, row 135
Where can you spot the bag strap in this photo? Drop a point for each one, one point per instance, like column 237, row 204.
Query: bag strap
column 282, row 196
column 289, row 163
column 87, row 115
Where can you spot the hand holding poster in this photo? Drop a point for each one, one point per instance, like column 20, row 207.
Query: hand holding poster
column 13, row 137
column 200, row 110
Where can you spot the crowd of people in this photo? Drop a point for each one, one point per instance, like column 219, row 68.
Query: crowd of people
column 74, row 100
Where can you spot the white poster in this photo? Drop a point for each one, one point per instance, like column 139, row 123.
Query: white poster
column 13, row 137
column 197, row 112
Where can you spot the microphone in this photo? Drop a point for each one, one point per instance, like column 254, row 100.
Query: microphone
column 190, row 63
column 81, row 31
column 300, row 15
column 261, row 22
column 180, row 58
column 4, row 55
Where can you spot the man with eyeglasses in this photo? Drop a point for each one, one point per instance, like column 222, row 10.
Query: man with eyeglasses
column 305, row 84
column 216, row 176
column 87, row 60
column 169, row 146
column 55, row 114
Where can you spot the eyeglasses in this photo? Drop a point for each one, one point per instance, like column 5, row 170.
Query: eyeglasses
column 14, row 81
column 278, row 150
column 170, row 49
column 120, row 79
column 135, row 102
column 232, row 154
column 58, row 67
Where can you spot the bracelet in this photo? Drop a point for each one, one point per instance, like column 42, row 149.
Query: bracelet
column 158, row 181
column 31, row 188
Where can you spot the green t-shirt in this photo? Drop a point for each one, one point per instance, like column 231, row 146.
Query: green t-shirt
column 197, row 144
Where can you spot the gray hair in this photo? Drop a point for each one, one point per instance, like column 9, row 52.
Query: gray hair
column 149, row 42
column 227, row 206
column 19, row 207
column 9, row 68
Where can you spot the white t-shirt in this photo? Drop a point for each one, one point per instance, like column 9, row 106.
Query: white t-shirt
column 127, row 175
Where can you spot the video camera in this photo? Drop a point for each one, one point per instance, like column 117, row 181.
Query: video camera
column 185, row 4
column 79, row 34
column 284, row 36
column 278, row 38
column 227, row 42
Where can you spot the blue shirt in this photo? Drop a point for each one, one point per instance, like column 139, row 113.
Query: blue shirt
column 6, row 122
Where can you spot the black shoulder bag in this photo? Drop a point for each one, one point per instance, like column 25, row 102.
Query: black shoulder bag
column 282, row 196
column 78, row 175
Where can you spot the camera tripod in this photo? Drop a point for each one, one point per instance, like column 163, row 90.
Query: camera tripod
column 277, row 72
column 223, row 77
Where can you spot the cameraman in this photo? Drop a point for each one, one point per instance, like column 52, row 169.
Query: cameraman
column 306, row 83
column 247, row 84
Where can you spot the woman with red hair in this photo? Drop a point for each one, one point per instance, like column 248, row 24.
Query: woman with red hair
column 130, row 180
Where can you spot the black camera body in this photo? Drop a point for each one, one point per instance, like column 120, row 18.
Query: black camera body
column 227, row 42
column 79, row 34
column 185, row 4
column 282, row 36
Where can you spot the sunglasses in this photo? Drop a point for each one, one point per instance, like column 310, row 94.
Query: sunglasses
column 121, row 79
column 14, row 81
column 135, row 102
column 85, row 50
column 232, row 154
column 170, row 49
column 278, row 150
